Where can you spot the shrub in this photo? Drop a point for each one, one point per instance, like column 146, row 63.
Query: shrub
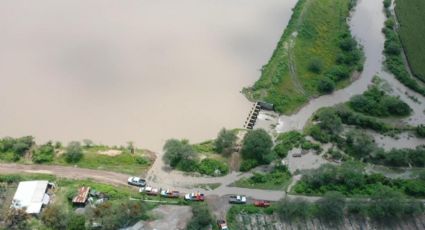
column 55, row 217
column 247, row 165
column 287, row 141
column 73, row 152
column 420, row 130
column 315, row 65
column 202, row 218
column 210, row 166
column 44, row 153
column 326, row 86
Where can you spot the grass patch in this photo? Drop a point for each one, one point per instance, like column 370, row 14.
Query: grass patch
column 133, row 164
column 278, row 179
column 316, row 49
column 410, row 14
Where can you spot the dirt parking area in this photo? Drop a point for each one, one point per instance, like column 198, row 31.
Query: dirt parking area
column 166, row 217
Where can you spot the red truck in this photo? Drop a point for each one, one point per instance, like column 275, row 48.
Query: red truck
column 262, row 203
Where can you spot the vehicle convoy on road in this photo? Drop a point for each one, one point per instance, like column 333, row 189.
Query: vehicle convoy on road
column 170, row 194
column 136, row 181
column 195, row 196
column 237, row 199
column 262, row 203
column 149, row 191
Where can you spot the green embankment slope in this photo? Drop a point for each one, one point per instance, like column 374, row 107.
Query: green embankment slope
column 315, row 54
column 411, row 16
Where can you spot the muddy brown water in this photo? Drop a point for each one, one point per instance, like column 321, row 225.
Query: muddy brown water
column 142, row 71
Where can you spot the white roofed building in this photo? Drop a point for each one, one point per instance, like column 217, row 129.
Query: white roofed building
column 31, row 196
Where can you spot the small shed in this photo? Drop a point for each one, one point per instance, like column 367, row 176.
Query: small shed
column 31, row 196
column 82, row 196
column 266, row 106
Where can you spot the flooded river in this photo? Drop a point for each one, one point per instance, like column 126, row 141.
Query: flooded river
column 142, row 71
column 366, row 24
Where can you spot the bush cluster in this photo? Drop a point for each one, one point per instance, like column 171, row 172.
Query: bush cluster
column 292, row 139
column 375, row 102
column 12, row 149
column 350, row 179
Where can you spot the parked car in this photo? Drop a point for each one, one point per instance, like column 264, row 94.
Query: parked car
column 262, row 203
column 170, row 194
column 137, row 181
column 149, row 191
column 222, row 225
column 296, row 155
column 195, row 196
column 237, row 199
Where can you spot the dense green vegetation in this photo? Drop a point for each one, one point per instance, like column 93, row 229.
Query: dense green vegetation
column 277, row 179
column 179, row 154
column 412, row 32
column 392, row 49
column 386, row 206
column 350, row 179
column 376, row 102
column 315, row 54
column 256, row 149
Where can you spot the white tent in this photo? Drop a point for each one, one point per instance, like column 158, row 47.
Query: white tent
column 31, row 195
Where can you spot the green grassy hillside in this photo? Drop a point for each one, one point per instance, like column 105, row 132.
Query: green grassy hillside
column 315, row 54
column 411, row 15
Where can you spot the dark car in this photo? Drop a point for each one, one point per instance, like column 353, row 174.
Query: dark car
column 137, row 181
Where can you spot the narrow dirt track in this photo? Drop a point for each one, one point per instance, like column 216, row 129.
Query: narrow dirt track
column 67, row 172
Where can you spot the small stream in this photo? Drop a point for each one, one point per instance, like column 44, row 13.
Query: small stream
column 366, row 24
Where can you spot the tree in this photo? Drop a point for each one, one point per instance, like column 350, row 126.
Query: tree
column 326, row 86
column 55, row 217
column 257, row 144
column 44, row 153
column 331, row 207
column 225, row 141
column 178, row 152
column 87, row 143
column 73, row 152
